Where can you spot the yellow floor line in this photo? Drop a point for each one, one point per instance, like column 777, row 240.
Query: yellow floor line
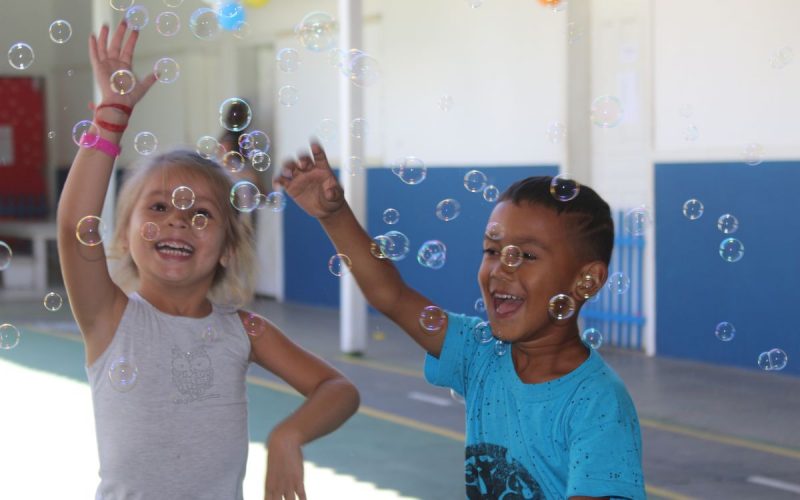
column 662, row 493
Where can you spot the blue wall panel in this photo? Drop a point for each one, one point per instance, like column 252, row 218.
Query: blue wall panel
column 454, row 286
column 696, row 288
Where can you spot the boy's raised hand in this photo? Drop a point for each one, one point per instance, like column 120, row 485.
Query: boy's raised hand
column 312, row 184
column 108, row 58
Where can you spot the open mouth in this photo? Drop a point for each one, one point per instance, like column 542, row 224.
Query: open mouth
column 506, row 304
column 174, row 248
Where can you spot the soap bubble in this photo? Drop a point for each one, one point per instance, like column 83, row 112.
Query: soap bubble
column 511, row 256
column 432, row 319
column 781, row 58
column 592, row 337
column 149, row 231
column 121, row 5
column 500, row 347
column 364, row 70
column 182, row 197
column 123, row 374
column 168, row 24
column 260, row 161
column 556, row 132
column 233, row 161
column 326, row 130
column 391, row 216
column 288, row 95
column 773, row 360
column 230, row 14
column 564, row 188
column 475, row 181
column 145, row 143
column 51, row 134
column 725, row 331
column 727, row 223
column 495, row 231
column 52, row 302
column 288, row 60
column 483, row 332
column 412, row 170
column 474, row 3
column 731, row 250
column 753, row 154
column 209, row 148
column 561, row 306
column 690, row 133
column 78, row 131
column 354, row 166
column 693, row 209
column 60, row 31
column 20, row 56
column 606, row 111
column 199, row 221
column 637, row 220
column 9, row 336
column 5, row 255
column 241, row 30
column 90, row 230
column 276, row 201
column 137, row 17
column 448, row 209
column 445, row 102
column 618, row 283
column 167, row 70
column 396, row 246
column 235, row 114
column 257, row 141
column 204, row 24
column 339, row 264
column 491, row 193
column 122, row 82
column 358, row 128
column 244, row 196
column 480, row 306
column 378, row 245
column 317, row 31
column 587, row 286
column 432, row 254
column 255, row 325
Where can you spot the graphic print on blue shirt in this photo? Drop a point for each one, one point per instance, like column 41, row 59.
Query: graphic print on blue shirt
column 491, row 473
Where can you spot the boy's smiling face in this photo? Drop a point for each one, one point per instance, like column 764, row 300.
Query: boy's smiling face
column 517, row 297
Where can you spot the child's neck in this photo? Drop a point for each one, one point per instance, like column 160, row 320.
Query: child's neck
column 191, row 303
column 548, row 358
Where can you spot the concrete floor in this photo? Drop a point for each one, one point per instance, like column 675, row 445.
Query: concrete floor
column 708, row 432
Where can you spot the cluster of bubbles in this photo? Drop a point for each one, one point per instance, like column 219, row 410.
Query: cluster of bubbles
column 393, row 245
column 476, row 181
column 773, row 360
column 730, row 249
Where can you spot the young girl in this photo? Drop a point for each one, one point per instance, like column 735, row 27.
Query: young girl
column 167, row 363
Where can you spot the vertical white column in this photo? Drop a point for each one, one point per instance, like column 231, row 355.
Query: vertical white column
column 102, row 14
column 352, row 305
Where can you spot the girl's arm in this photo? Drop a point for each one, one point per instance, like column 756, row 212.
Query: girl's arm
column 330, row 400
column 96, row 302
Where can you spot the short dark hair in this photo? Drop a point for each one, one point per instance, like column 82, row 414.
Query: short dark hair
column 594, row 224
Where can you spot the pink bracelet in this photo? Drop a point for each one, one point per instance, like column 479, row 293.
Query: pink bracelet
column 96, row 142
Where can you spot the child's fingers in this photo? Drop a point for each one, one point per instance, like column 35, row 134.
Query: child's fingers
column 102, row 44
column 116, row 41
column 126, row 55
column 148, row 82
column 287, row 171
column 319, row 153
column 93, row 50
column 304, row 163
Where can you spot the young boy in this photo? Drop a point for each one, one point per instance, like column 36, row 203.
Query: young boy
column 549, row 419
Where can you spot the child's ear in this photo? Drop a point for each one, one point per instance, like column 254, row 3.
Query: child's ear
column 591, row 279
column 226, row 257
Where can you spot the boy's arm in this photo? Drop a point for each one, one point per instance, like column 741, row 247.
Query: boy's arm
column 313, row 185
column 96, row 301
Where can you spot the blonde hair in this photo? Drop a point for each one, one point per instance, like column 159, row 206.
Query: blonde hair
column 234, row 283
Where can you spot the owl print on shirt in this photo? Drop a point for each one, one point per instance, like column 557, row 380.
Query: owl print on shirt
column 192, row 374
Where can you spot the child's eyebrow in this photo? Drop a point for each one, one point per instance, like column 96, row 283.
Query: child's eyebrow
column 157, row 192
column 530, row 240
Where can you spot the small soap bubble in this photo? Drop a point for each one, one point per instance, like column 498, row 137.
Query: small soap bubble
column 204, row 24
column 123, row 374
column 753, row 154
column 52, row 302
column 326, row 130
column 183, row 197
column 208, row 334
column 618, row 283
column 145, row 143
column 690, row 133
column 20, row 56
column 491, row 193
column 412, row 170
column 90, row 230
column 317, row 31
column 149, row 231
column 358, row 128
column 257, row 141
column 339, row 264
column 474, row 3
column 448, row 209
column 81, row 128
column 474, row 181
column 276, row 201
column 564, row 188
column 288, row 95
column 364, row 70
column 209, row 148
column 725, row 331
column 556, row 132
column 244, row 196
column 168, row 24
column 137, row 17
column 432, row 319
column 254, row 325
column 458, row 398
column 445, row 102
column 495, row 231
column 606, row 111
column 561, row 306
column 9, row 336
column 693, row 209
column 5, row 255
column 592, row 337
column 480, row 306
column 728, row 224
column 235, row 114
column 199, row 221
column 245, row 142
column 391, row 216
column 763, row 361
column 500, row 347
column 51, row 134
column 781, row 58
column 378, row 245
column 587, row 286
column 260, row 161
column 60, row 31
column 432, row 254
column 483, row 332
column 241, row 30
column 288, row 60
column 777, row 359
column 397, row 246
column 637, row 220
column 731, row 250
column 511, row 256
column 122, row 81
column 167, row 70
column 121, row 5
column 233, row 161
column 354, row 166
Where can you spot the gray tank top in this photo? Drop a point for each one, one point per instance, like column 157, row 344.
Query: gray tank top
column 170, row 406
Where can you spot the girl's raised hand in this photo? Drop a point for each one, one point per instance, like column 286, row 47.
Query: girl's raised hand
column 311, row 183
column 107, row 59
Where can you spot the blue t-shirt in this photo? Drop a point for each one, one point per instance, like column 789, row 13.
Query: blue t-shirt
column 572, row 436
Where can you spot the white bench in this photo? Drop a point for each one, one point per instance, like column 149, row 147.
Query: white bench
column 39, row 232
